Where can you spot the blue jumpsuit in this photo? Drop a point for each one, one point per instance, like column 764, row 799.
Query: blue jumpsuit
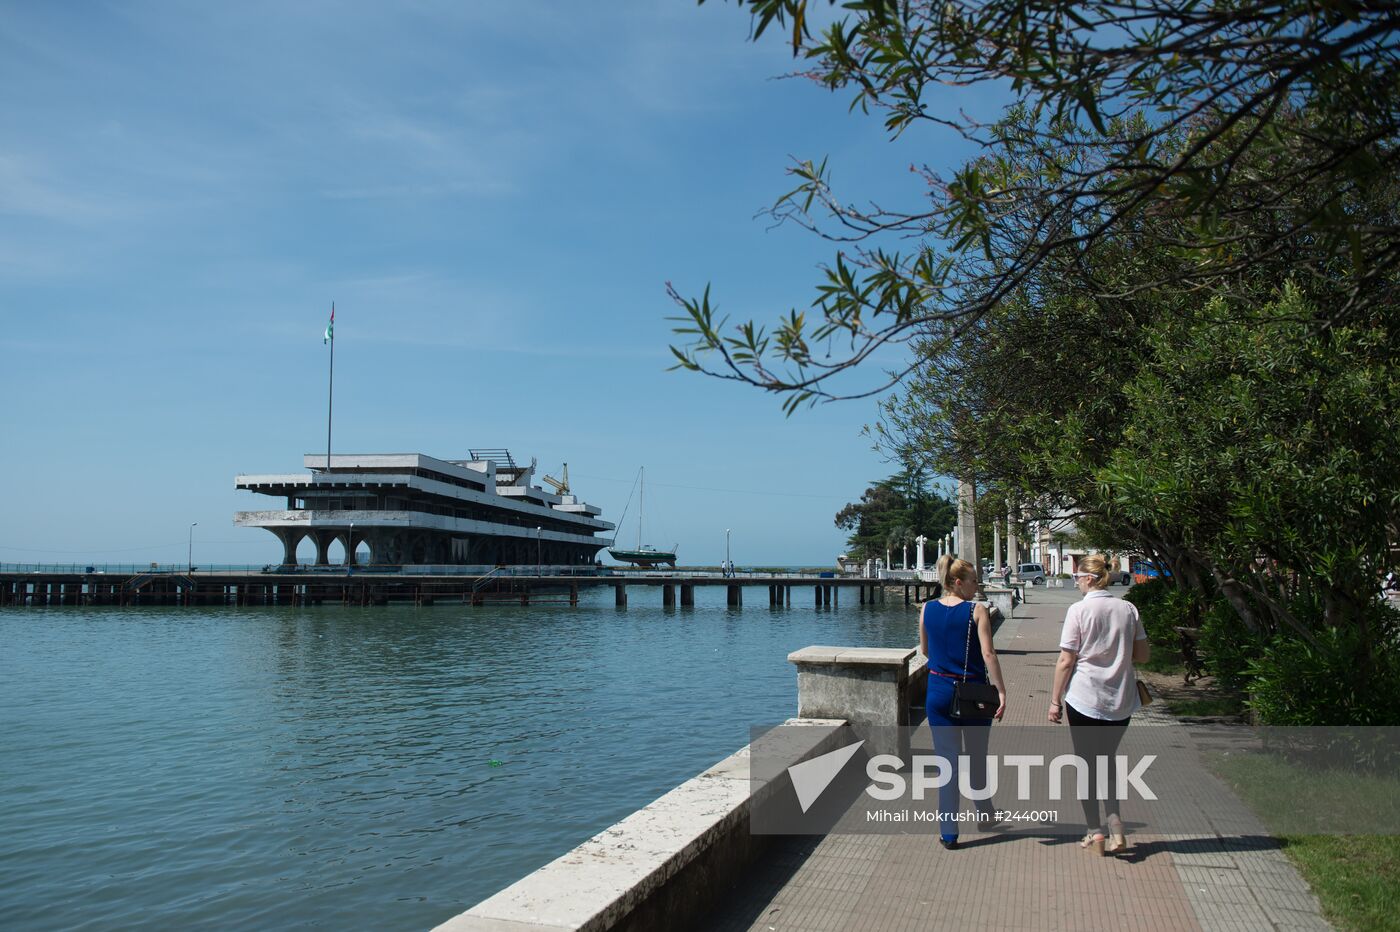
column 949, row 642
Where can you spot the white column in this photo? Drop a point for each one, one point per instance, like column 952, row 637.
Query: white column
column 919, row 552
column 967, row 523
column 996, row 545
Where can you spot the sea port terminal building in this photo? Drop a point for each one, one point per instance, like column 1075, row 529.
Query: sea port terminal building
column 412, row 509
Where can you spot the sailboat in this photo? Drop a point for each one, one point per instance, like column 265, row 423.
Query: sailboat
column 645, row 554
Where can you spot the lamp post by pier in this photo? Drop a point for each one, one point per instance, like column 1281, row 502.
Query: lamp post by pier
column 728, row 565
column 189, row 555
column 539, row 531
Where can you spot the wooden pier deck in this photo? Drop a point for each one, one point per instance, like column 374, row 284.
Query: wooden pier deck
column 365, row 586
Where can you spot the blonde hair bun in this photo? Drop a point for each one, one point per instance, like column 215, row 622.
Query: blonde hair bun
column 1096, row 564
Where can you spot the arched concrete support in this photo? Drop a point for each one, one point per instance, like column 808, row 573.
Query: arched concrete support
column 389, row 547
column 323, row 541
column 290, row 538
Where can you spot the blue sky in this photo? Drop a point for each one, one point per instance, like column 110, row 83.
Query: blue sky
column 493, row 194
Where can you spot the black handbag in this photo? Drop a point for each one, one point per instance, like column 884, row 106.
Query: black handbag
column 973, row 700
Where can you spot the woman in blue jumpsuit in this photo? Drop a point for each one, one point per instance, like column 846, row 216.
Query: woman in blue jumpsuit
column 955, row 634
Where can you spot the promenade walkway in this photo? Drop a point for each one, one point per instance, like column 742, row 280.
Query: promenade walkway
column 1237, row 878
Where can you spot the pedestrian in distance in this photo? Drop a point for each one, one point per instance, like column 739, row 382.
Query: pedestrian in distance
column 955, row 634
column 1095, row 687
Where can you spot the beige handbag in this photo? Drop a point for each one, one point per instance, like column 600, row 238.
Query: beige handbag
column 1144, row 694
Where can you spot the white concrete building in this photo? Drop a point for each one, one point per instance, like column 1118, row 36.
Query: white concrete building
column 409, row 508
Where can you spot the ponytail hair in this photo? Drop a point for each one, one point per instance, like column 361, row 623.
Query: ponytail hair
column 954, row 569
column 940, row 570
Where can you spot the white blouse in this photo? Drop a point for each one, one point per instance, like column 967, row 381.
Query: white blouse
column 1101, row 630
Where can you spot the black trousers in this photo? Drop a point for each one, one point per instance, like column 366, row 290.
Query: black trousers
column 1094, row 738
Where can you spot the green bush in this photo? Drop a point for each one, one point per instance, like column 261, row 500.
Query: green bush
column 1227, row 646
column 1162, row 607
column 1148, row 593
column 1334, row 683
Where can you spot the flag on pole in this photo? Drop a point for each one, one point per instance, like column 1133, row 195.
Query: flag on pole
column 330, row 327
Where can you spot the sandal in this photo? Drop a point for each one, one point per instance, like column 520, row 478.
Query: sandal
column 1116, row 841
column 1093, row 839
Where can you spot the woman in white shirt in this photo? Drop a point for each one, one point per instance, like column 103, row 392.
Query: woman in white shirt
column 1096, row 687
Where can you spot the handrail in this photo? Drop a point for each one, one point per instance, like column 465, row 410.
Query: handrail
column 494, row 574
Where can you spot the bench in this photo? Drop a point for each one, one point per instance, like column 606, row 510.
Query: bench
column 1189, row 645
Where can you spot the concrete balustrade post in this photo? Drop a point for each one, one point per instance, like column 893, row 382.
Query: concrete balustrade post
column 861, row 685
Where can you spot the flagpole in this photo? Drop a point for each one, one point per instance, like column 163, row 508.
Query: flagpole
column 330, row 391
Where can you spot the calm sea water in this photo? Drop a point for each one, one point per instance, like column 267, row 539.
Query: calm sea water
column 368, row 767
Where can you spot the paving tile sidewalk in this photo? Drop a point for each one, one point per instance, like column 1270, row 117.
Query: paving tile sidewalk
column 1235, row 879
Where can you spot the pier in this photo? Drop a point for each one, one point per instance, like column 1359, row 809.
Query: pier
column 355, row 585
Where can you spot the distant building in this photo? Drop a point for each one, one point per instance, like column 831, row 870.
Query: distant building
column 1055, row 544
column 413, row 509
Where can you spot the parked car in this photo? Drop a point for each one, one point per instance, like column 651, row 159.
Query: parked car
column 1032, row 574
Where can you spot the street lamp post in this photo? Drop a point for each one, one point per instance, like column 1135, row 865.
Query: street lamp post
column 728, row 565
column 350, row 546
column 538, row 532
column 189, row 555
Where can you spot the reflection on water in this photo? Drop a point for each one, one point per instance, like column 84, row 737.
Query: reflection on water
column 379, row 767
